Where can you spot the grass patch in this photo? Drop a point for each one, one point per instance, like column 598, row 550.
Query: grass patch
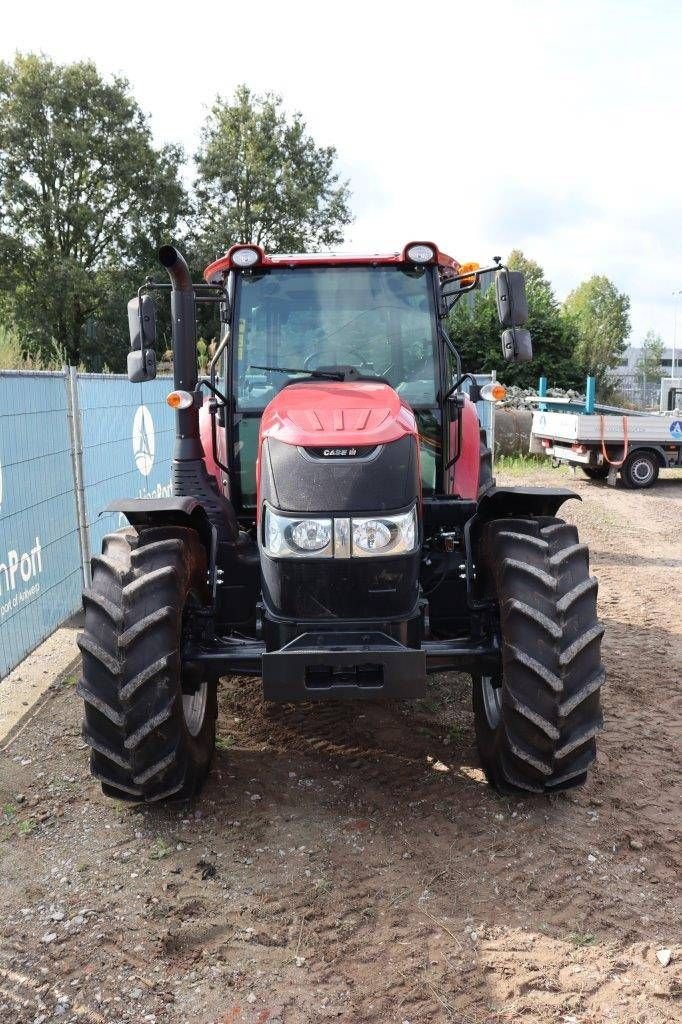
column 26, row 827
column 580, row 939
column 456, row 733
column 159, row 849
column 429, row 705
column 519, row 464
column 224, row 742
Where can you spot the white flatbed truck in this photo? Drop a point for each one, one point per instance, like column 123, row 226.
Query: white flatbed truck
column 635, row 446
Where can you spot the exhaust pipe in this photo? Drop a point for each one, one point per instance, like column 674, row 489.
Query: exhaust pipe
column 184, row 329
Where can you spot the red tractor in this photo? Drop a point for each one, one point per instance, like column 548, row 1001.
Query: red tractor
column 335, row 528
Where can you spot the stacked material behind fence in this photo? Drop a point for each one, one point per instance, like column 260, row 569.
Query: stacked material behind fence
column 69, row 444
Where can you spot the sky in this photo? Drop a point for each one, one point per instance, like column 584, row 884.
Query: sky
column 554, row 127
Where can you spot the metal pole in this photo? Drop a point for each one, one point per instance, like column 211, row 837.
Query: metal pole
column 542, row 391
column 590, row 394
column 76, row 436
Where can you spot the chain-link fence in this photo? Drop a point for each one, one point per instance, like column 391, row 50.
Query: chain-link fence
column 69, row 444
column 640, row 393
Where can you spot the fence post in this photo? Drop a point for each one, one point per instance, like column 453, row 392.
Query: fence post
column 76, row 435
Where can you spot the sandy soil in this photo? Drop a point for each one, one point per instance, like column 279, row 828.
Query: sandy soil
column 350, row 863
column 25, row 685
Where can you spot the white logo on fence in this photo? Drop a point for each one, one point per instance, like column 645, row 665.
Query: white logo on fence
column 143, row 440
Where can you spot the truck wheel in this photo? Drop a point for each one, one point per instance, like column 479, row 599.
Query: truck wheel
column 640, row 470
column 150, row 729
column 536, row 723
column 596, row 472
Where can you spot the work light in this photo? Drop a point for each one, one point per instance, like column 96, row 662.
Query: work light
column 245, row 257
column 420, row 253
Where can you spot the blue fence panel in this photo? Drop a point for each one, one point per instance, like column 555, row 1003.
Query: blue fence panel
column 127, row 435
column 40, row 563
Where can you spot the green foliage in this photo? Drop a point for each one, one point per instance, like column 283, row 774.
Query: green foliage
column 84, row 199
column 15, row 356
column 475, row 330
column 263, row 179
column 649, row 362
column 601, row 318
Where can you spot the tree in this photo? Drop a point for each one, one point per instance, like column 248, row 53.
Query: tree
column 85, row 198
column 475, row 330
column 649, row 362
column 262, row 178
column 601, row 315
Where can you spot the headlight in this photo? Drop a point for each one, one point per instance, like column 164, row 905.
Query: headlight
column 385, row 535
column 285, row 536
column 310, row 535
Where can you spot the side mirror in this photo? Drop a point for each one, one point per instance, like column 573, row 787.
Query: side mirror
column 510, row 294
column 517, row 345
column 142, row 322
column 141, row 365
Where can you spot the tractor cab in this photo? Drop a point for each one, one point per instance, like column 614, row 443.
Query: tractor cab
column 338, row 318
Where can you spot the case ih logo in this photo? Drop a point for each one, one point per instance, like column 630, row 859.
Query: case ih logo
column 359, row 452
column 143, row 440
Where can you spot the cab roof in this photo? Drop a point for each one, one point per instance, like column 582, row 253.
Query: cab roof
column 447, row 265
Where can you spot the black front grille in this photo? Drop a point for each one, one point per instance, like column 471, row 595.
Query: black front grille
column 335, row 588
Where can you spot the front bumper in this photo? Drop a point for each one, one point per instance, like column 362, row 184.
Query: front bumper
column 357, row 665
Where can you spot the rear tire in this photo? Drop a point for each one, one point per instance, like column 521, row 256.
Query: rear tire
column 151, row 733
column 596, row 472
column 536, row 724
column 640, row 470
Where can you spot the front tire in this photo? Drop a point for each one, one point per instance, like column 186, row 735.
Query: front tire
column 150, row 729
column 536, row 723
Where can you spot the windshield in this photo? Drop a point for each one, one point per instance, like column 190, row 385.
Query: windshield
column 376, row 319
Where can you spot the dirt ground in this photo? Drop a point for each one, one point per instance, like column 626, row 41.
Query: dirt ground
column 349, row 863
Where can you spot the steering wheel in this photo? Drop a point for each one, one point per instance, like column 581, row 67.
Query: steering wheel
column 318, row 351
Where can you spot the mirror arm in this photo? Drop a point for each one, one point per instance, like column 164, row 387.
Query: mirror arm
column 475, row 387
column 456, row 295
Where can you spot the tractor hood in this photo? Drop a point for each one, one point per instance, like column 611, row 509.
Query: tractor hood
column 338, row 415
column 334, row 451
column 342, row 447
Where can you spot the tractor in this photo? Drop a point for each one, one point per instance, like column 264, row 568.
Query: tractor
column 335, row 527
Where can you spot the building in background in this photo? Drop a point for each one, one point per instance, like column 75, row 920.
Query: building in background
column 630, row 383
column 628, row 364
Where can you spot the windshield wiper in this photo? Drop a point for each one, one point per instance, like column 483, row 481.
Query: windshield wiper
column 320, row 374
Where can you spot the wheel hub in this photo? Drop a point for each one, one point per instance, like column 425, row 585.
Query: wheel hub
column 492, row 701
column 194, row 708
column 641, row 471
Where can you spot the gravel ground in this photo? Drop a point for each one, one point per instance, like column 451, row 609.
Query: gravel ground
column 349, row 863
